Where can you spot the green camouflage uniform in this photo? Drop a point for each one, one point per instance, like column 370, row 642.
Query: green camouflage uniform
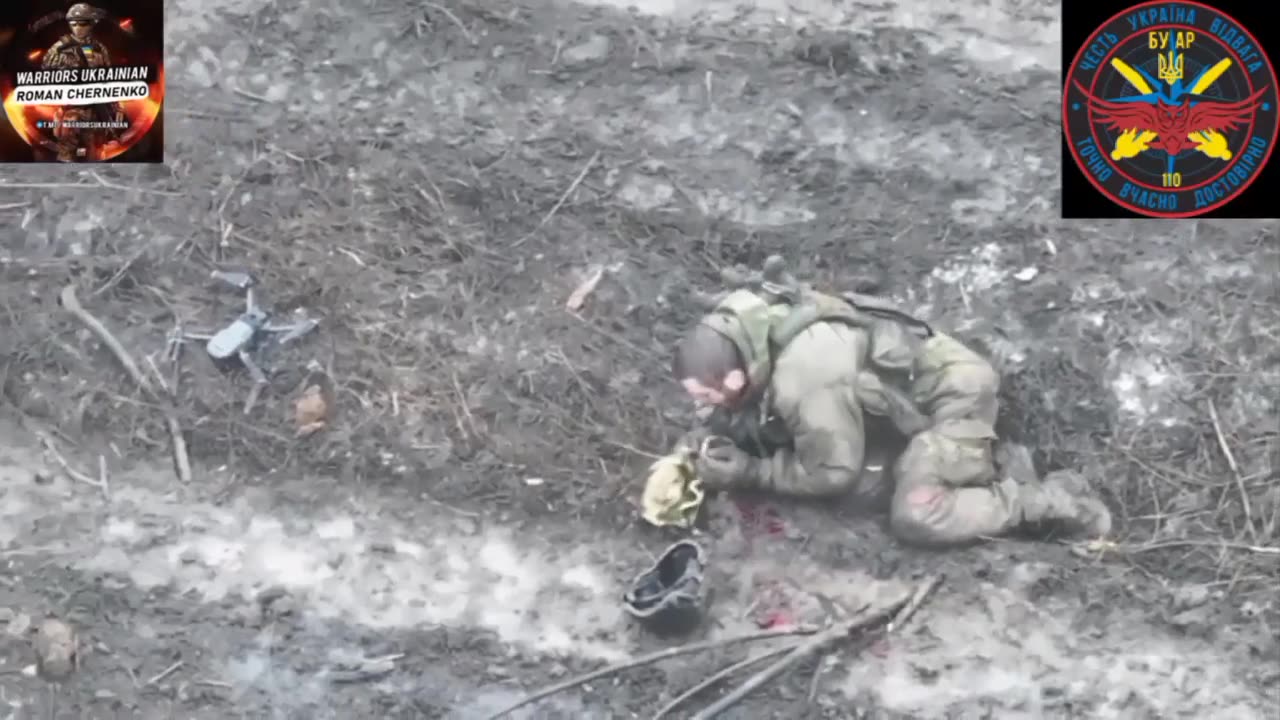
column 829, row 367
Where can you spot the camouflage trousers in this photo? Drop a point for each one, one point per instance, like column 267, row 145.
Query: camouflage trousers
column 946, row 490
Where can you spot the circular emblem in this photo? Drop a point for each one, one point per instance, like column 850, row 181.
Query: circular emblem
column 1170, row 109
column 84, row 40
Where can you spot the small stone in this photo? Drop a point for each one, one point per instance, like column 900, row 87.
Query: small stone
column 190, row 556
column 383, row 547
column 1026, row 274
column 1196, row 617
column 466, row 526
column 6, row 615
column 594, row 49
column 19, row 624
column 1190, row 596
column 199, row 74
column 1251, row 609
column 247, row 616
column 284, row 607
column 271, row 594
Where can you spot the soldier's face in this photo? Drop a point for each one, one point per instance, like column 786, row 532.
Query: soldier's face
column 80, row 29
column 727, row 394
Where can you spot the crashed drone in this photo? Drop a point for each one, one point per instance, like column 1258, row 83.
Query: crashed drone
column 245, row 339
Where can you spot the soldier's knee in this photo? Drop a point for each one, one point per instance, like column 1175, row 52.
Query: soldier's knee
column 917, row 464
column 917, row 514
column 972, row 392
column 985, row 376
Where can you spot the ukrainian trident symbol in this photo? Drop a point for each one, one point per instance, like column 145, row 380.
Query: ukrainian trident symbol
column 1170, row 67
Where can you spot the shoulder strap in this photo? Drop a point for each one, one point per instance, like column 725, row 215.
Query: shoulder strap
column 882, row 308
column 857, row 310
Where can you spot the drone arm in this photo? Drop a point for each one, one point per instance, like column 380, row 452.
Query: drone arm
column 292, row 331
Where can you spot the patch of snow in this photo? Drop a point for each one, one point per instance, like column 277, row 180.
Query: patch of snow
column 980, row 271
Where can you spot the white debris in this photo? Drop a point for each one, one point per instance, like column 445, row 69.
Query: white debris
column 1026, row 274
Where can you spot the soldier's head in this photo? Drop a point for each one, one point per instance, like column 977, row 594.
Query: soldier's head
column 710, row 367
column 81, row 18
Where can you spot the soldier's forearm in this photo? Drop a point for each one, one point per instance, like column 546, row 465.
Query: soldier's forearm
column 885, row 400
column 904, row 415
column 783, row 473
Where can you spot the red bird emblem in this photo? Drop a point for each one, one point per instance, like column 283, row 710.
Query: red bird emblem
column 1173, row 122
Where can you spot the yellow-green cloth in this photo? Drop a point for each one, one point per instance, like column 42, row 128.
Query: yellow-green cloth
column 672, row 494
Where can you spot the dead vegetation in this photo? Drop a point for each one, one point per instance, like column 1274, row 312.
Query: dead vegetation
column 1185, row 441
column 892, row 616
column 445, row 355
column 1205, row 493
column 448, row 358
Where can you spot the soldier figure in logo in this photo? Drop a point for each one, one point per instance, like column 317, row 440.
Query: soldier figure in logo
column 80, row 49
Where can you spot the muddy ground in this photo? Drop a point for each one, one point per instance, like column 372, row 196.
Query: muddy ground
column 433, row 185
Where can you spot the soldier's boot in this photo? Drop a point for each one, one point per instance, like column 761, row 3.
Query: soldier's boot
column 1063, row 501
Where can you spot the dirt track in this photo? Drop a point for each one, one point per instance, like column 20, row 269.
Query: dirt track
column 469, row 506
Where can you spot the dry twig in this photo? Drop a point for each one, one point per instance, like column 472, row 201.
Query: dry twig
column 559, row 203
column 104, row 477
column 51, row 447
column 164, row 673
column 649, row 660
column 66, row 465
column 1235, row 470
column 465, row 32
column 119, row 274
column 72, row 305
column 717, row 677
column 98, row 182
column 1206, row 543
column 816, row 682
column 182, row 460
column 367, row 669
column 900, row 609
column 250, row 95
column 579, row 296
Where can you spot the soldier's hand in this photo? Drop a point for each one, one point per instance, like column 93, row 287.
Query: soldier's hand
column 911, row 422
column 722, row 465
column 692, row 440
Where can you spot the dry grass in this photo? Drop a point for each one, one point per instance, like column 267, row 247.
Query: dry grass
column 1194, row 480
column 451, row 360
column 457, row 367
column 440, row 282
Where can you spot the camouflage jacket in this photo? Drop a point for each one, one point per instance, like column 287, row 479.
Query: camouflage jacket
column 68, row 53
column 818, row 365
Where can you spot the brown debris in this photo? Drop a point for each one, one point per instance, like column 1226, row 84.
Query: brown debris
column 57, row 650
column 311, row 411
column 584, row 289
